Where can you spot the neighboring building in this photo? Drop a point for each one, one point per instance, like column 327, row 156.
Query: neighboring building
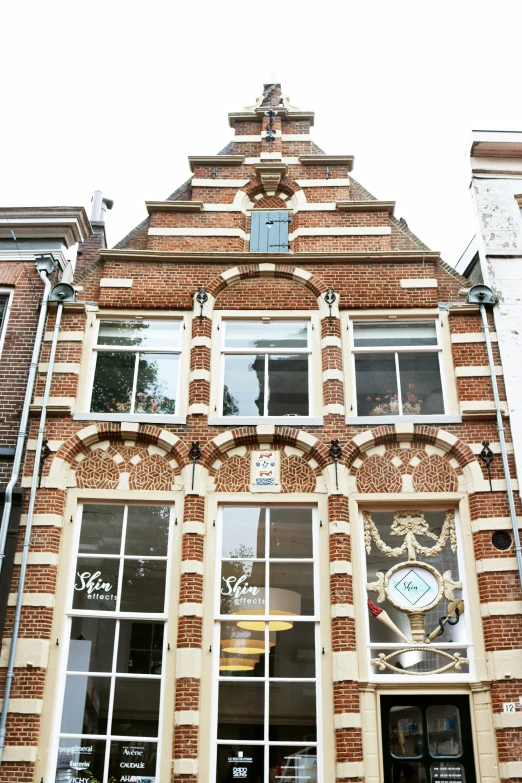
column 269, row 408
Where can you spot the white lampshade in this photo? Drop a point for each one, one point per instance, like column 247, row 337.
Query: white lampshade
column 247, row 642
column 282, row 603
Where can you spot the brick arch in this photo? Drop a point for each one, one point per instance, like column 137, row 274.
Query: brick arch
column 286, row 185
column 249, row 271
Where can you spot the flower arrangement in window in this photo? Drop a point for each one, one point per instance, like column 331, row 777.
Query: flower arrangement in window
column 388, row 405
column 145, row 403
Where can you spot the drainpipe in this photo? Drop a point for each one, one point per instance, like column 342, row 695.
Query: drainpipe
column 482, row 295
column 45, row 265
column 28, row 529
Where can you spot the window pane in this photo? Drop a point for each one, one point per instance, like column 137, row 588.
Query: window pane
column 242, row 651
column 157, row 383
column 136, row 759
column 446, row 771
column 136, row 707
column 96, row 584
column 244, row 386
column 292, row 711
column 140, row 648
column 375, row 335
column 294, row 653
column 376, row 383
column 152, row 334
column 420, row 383
column 444, row 738
column 406, row 731
column 241, row 710
column 243, row 532
column 113, row 379
column 291, row 532
column 85, row 705
column 147, row 530
column 292, row 763
column 288, row 385
column 240, row 762
column 3, row 307
column 266, row 334
column 101, row 530
column 80, row 758
column 92, row 644
column 292, row 588
column 242, row 587
column 143, row 586
column 410, row 771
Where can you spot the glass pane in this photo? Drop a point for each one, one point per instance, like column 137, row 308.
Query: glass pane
column 243, row 532
column 288, row 385
column 96, row 584
column 157, row 383
column 143, row 586
column 242, row 587
column 92, row 644
column 244, row 386
column 85, row 704
column 376, row 383
column 294, row 653
column 134, row 761
column 80, row 759
column 267, row 334
column 420, row 383
column 405, row 731
column 240, row 762
column 444, row 737
column 136, row 707
column 242, row 651
column 370, row 335
column 447, row 771
column 292, row 710
column 113, row 379
column 101, row 530
column 140, row 648
column 241, row 710
column 3, row 305
column 147, row 530
column 292, row 588
column 292, row 763
column 291, row 532
column 408, row 772
column 152, row 334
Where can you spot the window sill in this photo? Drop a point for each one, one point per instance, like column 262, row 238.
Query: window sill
column 289, row 421
column 149, row 418
column 439, row 418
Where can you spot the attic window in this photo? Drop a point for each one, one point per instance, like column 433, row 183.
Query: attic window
column 269, row 232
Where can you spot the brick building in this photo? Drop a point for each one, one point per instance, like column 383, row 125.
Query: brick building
column 265, row 546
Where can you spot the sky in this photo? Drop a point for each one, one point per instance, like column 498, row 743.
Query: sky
column 115, row 95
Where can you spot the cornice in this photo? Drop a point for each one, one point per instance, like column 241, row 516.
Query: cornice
column 292, row 259
column 248, row 116
column 327, row 160
column 67, row 223
column 173, row 206
column 365, row 206
column 215, row 160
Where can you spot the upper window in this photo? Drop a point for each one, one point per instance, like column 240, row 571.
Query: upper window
column 269, row 232
column 266, row 368
column 4, row 310
column 397, row 368
column 136, row 367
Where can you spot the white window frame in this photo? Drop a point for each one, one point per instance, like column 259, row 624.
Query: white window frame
column 314, row 366
column 8, row 293
column 426, row 679
column 399, row 317
column 159, row 617
column 88, row 367
column 266, row 679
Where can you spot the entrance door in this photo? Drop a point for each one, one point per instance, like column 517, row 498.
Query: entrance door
column 427, row 739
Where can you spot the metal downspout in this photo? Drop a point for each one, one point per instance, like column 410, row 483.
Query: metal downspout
column 22, row 432
column 27, row 539
column 500, row 426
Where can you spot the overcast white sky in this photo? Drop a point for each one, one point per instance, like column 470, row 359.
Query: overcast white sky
column 114, row 95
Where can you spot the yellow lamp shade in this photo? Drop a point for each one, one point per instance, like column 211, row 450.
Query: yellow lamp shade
column 247, row 643
column 283, row 603
column 234, row 664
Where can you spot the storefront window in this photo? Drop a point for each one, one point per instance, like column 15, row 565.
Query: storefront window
column 267, row 636
column 109, row 728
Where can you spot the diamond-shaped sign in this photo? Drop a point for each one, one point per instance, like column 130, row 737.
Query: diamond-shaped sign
column 412, row 587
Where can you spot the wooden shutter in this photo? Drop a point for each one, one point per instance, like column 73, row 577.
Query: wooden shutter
column 269, row 232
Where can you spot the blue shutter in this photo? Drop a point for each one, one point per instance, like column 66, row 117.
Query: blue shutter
column 269, row 232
